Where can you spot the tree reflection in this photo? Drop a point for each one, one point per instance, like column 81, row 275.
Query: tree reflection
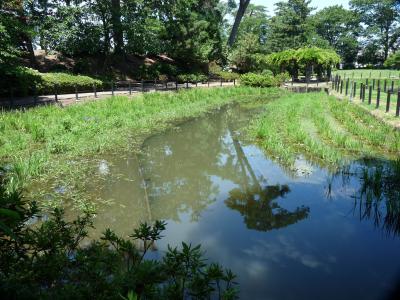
column 259, row 209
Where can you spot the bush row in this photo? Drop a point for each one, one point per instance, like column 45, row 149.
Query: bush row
column 26, row 81
column 263, row 80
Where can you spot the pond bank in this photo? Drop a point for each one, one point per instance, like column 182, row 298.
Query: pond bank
column 50, row 150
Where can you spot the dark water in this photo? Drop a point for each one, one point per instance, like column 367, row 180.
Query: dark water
column 287, row 234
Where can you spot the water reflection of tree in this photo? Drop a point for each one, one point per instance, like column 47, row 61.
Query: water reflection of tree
column 259, row 209
column 379, row 195
column 181, row 168
column 184, row 170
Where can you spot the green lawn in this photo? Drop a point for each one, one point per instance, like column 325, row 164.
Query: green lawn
column 366, row 73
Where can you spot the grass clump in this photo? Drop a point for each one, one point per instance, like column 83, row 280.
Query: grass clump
column 52, row 146
column 323, row 130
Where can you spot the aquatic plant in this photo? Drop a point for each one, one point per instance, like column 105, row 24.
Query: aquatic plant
column 53, row 144
column 323, row 130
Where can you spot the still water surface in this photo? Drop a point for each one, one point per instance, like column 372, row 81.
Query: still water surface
column 302, row 234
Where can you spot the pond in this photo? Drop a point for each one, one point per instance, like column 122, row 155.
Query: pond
column 302, row 233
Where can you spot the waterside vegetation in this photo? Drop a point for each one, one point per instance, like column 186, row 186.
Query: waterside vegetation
column 324, row 130
column 57, row 145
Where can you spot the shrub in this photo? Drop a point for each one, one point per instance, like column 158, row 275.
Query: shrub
column 193, row 78
column 66, row 83
column 29, row 82
column 393, row 60
column 262, row 80
column 227, row 75
column 47, row 261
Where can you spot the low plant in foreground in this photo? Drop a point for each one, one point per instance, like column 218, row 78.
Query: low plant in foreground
column 48, row 261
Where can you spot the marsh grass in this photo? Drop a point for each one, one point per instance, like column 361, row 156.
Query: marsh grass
column 48, row 147
column 322, row 129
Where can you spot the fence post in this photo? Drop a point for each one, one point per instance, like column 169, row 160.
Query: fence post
column 55, row 93
column 155, row 84
column 35, row 97
column 392, row 87
column 12, row 97
column 388, row 101
column 379, row 84
column 187, row 84
column 366, row 82
column 398, row 104
column 355, row 89
column 166, row 84
column 208, row 81
column 142, row 85
column 341, row 86
column 234, row 82
column 361, row 90
column 384, row 86
column 363, row 97
column 112, row 88
column 378, row 97
column 373, row 84
column 176, row 85
column 130, row 88
column 76, row 93
column 221, row 81
column 370, row 95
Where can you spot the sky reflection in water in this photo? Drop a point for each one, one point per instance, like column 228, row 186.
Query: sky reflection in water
column 303, row 234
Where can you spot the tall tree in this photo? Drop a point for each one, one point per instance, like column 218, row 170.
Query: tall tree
column 381, row 21
column 239, row 15
column 340, row 27
column 118, row 33
column 290, row 27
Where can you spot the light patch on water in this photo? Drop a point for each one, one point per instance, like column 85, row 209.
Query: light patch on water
column 168, row 150
column 104, row 168
column 303, row 168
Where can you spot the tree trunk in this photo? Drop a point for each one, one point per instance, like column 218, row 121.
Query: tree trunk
column 117, row 26
column 239, row 15
column 386, row 43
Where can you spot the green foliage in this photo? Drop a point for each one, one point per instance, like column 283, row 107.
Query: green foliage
column 29, row 82
column 380, row 20
column 292, row 60
column 40, row 143
column 262, row 80
column 340, row 27
column 228, row 75
column 322, row 129
column 290, row 27
column 47, row 261
column 193, row 78
column 66, row 83
column 393, row 61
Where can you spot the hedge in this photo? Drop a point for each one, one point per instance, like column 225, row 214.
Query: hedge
column 263, row 80
column 26, row 81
